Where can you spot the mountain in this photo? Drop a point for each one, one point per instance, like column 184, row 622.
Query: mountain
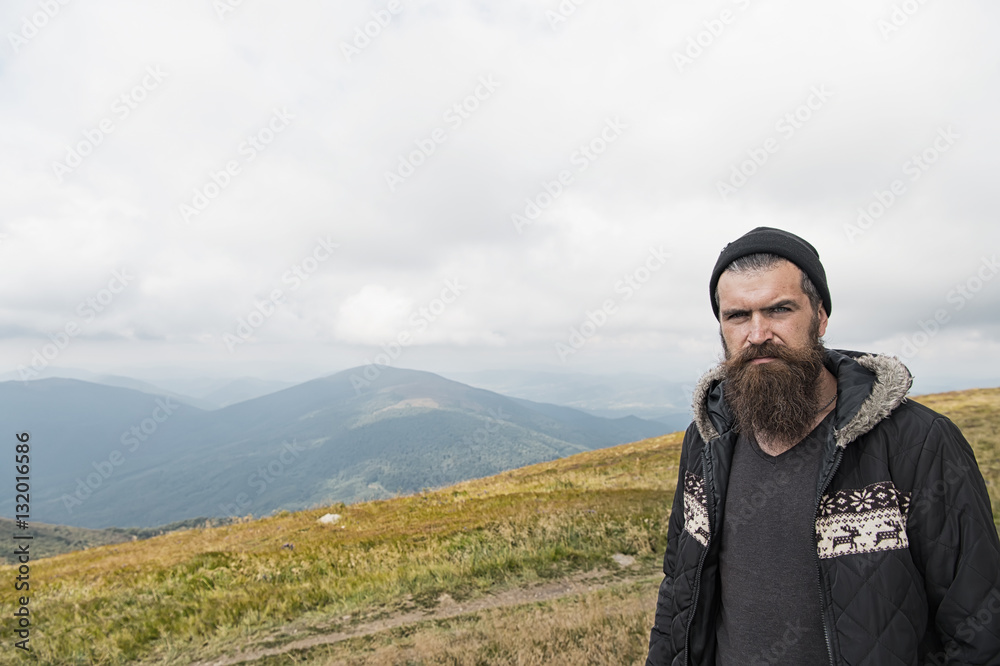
column 75, row 425
column 243, row 388
column 106, row 456
column 52, row 372
column 215, row 392
column 203, row 392
column 624, row 394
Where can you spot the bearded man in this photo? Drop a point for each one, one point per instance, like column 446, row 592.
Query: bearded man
column 819, row 517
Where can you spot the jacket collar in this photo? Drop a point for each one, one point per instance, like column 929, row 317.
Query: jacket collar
column 869, row 388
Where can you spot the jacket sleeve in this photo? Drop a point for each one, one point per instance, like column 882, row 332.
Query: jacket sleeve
column 955, row 542
column 661, row 652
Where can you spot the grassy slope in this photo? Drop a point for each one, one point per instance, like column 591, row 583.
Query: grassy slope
column 195, row 594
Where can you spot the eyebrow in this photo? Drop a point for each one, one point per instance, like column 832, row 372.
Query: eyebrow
column 780, row 304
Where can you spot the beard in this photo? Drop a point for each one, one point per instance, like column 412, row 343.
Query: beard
column 778, row 399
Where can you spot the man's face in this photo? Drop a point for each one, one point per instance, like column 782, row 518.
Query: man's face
column 774, row 354
column 767, row 306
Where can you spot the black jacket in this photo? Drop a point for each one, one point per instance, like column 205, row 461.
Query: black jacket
column 907, row 554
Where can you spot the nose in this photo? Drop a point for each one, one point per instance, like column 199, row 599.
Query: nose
column 760, row 329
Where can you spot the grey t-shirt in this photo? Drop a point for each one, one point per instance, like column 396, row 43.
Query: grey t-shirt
column 770, row 580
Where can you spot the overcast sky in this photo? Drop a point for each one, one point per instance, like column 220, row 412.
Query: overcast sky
column 288, row 189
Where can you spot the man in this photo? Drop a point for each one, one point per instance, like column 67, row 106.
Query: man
column 819, row 517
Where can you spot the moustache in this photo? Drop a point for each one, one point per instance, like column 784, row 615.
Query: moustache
column 763, row 350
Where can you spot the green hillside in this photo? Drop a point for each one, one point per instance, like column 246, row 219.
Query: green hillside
column 404, row 580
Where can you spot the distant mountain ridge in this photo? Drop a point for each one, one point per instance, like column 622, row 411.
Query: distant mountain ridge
column 218, row 393
column 645, row 396
column 107, row 380
column 203, row 393
column 108, row 456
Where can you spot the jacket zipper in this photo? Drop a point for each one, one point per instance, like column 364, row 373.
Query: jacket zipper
column 819, row 573
column 701, row 560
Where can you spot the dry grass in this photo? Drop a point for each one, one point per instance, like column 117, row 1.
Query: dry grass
column 609, row 626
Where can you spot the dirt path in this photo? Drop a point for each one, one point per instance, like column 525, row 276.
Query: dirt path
column 446, row 608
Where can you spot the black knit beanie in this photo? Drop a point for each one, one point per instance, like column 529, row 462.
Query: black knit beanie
column 774, row 241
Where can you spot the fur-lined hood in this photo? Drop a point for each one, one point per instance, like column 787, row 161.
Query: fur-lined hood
column 869, row 387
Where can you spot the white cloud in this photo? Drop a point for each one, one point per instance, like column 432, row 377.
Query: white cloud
column 373, row 315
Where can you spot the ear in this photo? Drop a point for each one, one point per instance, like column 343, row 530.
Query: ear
column 823, row 320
